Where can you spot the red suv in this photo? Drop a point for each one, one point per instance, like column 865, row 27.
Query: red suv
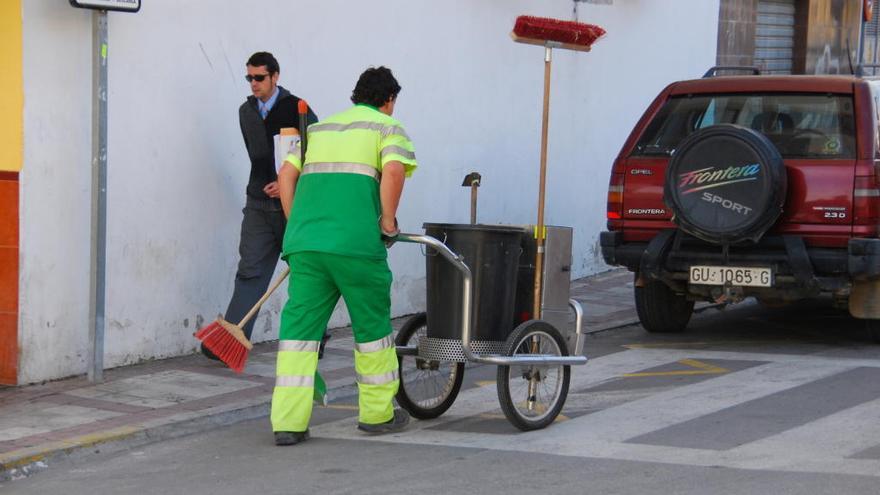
column 738, row 186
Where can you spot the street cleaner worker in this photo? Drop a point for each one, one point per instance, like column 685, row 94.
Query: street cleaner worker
column 340, row 203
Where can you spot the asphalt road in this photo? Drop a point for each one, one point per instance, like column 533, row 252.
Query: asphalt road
column 749, row 400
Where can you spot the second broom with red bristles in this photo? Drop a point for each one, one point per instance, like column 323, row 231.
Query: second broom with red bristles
column 549, row 33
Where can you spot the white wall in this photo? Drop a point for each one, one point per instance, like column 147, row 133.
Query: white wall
column 471, row 100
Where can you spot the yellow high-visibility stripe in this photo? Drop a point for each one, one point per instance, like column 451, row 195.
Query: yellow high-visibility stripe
column 291, row 408
column 375, row 363
column 294, row 363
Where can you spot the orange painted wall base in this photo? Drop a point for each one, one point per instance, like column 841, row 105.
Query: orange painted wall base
column 9, row 278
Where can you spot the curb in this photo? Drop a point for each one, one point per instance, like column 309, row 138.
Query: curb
column 22, row 463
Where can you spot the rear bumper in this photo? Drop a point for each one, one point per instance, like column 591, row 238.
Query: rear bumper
column 669, row 255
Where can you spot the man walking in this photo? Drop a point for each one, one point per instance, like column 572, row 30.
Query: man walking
column 342, row 201
column 269, row 109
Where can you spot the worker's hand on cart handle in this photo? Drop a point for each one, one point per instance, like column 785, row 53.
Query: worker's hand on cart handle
column 388, row 236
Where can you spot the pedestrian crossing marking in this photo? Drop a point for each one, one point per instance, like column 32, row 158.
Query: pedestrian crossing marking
column 830, row 444
column 702, row 369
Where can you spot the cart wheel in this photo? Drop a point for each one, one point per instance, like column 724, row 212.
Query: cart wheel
column 536, row 408
column 427, row 387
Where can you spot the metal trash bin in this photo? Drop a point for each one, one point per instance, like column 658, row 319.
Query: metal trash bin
column 492, row 253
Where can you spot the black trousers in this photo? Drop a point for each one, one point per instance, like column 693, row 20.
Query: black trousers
column 262, row 233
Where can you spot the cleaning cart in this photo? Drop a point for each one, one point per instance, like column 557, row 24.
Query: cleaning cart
column 499, row 294
column 480, row 310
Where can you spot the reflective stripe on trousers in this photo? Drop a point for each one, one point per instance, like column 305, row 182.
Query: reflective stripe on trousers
column 378, row 379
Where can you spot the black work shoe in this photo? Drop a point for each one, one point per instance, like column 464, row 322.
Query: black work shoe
column 208, row 354
column 396, row 423
column 291, row 437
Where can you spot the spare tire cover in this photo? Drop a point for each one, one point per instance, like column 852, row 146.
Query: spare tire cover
column 725, row 184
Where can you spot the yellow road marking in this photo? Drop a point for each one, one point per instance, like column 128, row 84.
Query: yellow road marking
column 703, row 366
column 29, row 455
column 484, row 383
column 702, row 369
column 346, row 407
column 91, row 439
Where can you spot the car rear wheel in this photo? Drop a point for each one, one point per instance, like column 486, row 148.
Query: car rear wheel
column 660, row 309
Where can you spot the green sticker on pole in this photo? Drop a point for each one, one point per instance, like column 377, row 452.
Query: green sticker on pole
column 103, row 50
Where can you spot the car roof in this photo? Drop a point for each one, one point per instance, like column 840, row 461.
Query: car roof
column 783, row 83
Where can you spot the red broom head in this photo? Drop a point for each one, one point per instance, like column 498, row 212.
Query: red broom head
column 208, row 330
column 546, row 29
column 302, row 107
column 224, row 345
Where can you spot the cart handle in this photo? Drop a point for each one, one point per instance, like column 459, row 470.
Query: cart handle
column 466, row 297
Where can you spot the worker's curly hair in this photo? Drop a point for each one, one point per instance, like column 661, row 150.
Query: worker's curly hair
column 375, row 87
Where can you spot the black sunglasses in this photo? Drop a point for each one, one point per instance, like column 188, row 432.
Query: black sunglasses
column 257, row 77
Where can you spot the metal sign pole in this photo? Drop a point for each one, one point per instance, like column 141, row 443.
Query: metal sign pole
column 99, row 196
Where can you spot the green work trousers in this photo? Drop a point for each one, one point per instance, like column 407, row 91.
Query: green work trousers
column 317, row 280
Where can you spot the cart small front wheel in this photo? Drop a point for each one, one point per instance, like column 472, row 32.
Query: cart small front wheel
column 532, row 396
column 427, row 387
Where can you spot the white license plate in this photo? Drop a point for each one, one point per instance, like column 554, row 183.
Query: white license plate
column 736, row 275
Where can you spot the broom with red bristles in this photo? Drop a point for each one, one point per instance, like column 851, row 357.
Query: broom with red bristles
column 227, row 341
column 550, row 33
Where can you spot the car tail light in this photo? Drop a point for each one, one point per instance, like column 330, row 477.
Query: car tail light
column 615, row 201
column 866, row 201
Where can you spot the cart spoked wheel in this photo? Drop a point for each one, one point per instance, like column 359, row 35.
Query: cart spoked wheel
column 427, row 387
column 532, row 396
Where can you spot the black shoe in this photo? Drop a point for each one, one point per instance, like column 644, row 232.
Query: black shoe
column 208, row 354
column 396, row 423
column 291, row 437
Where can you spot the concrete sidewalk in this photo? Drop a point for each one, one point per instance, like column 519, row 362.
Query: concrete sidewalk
column 164, row 399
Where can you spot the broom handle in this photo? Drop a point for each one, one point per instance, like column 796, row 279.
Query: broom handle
column 262, row 300
column 539, row 229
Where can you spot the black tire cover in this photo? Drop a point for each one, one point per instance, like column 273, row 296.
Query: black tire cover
column 725, row 184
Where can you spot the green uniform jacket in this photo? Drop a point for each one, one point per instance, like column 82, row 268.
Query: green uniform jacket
column 336, row 205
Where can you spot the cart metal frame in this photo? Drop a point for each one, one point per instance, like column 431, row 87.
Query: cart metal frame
column 466, row 297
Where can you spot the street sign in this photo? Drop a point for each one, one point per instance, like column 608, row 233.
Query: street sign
column 118, row 5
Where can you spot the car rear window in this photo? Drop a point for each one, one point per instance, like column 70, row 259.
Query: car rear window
column 800, row 125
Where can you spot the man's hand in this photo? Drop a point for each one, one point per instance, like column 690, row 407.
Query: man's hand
column 271, row 189
column 389, row 230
